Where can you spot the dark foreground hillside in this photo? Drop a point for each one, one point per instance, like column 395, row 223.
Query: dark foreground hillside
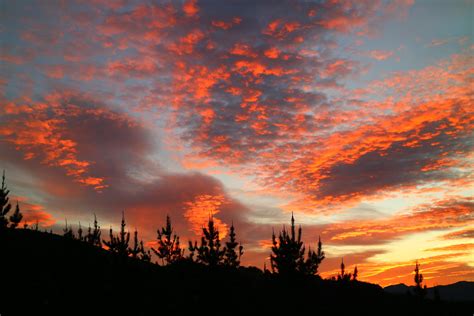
column 45, row 274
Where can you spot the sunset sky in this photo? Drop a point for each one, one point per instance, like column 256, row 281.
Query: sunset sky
column 357, row 116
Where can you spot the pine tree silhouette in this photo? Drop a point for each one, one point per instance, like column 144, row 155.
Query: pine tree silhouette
column 67, row 231
column 93, row 235
column 192, row 250
column 16, row 217
column 355, row 274
column 343, row 276
column 119, row 244
column 136, row 249
column 5, row 206
column 288, row 253
column 265, row 270
column 420, row 290
column 311, row 264
column 79, row 233
column 232, row 253
column 145, row 255
column 209, row 252
column 169, row 249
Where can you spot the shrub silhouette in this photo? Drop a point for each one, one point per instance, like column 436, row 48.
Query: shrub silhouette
column 232, row 253
column 119, row 243
column 288, row 253
column 5, row 206
column 16, row 217
column 168, row 249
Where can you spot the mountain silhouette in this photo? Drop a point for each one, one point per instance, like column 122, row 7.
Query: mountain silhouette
column 456, row 292
column 48, row 274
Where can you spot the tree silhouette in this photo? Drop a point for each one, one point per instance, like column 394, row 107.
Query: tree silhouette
column 145, row 255
column 209, row 252
column 232, row 253
column 79, row 233
column 93, row 235
column 16, row 217
column 355, row 274
column 343, row 276
column 169, row 249
column 67, row 231
column 192, row 250
column 138, row 250
column 265, row 270
column 313, row 260
column 420, row 290
column 5, row 206
column 288, row 253
column 35, row 227
column 135, row 250
column 119, row 244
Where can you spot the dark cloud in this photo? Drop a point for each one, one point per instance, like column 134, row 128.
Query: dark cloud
column 110, row 146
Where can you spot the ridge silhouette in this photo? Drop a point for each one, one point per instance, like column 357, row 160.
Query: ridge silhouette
column 48, row 274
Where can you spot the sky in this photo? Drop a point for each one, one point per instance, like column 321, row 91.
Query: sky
column 356, row 116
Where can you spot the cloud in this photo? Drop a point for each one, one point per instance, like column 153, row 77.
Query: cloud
column 92, row 146
column 61, row 132
column 456, row 247
column 190, row 8
column 463, row 233
column 153, row 96
column 442, row 214
column 380, row 54
column 32, row 213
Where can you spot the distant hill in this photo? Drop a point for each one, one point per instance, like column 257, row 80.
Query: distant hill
column 456, row 292
column 47, row 274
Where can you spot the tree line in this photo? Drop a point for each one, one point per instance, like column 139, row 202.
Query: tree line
column 288, row 253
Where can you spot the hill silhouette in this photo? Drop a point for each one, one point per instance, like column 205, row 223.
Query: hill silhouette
column 459, row 291
column 48, row 274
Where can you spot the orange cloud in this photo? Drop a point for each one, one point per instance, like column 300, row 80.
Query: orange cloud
column 456, row 247
column 41, row 131
column 201, row 208
column 55, row 71
column 464, row 233
column 437, row 270
column 443, row 214
column 226, row 25
column 272, row 53
column 191, row 8
column 242, row 50
column 132, row 67
column 34, row 213
column 381, row 54
column 187, row 43
column 280, row 29
column 256, row 69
